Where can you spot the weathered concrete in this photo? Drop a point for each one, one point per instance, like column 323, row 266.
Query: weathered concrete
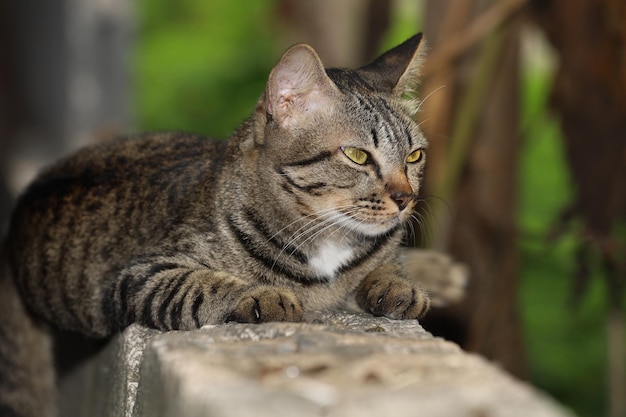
column 333, row 365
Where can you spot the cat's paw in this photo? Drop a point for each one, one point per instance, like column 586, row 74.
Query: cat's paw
column 393, row 297
column 264, row 304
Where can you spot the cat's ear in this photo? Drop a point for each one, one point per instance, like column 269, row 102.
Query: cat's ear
column 397, row 71
column 298, row 87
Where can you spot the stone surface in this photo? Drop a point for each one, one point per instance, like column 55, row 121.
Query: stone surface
column 333, row 365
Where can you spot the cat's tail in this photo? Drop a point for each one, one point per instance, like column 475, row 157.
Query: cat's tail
column 26, row 365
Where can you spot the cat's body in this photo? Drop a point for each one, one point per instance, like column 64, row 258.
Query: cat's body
column 302, row 209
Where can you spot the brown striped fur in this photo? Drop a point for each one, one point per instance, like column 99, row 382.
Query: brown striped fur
column 175, row 231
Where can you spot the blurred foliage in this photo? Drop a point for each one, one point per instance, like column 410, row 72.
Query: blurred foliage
column 201, row 65
column 406, row 16
column 566, row 343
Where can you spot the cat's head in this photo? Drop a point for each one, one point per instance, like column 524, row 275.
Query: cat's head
column 343, row 144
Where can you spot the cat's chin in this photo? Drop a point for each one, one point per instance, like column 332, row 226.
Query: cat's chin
column 374, row 229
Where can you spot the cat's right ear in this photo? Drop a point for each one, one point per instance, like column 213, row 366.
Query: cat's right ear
column 397, row 71
column 298, row 88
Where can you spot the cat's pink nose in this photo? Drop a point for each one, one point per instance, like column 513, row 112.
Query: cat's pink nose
column 401, row 198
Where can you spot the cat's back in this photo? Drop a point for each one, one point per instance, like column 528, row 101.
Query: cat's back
column 126, row 160
column 131, row 169
column 106, row 202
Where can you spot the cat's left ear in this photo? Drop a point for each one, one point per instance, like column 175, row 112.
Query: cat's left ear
column 298, row 87
column 397, row 71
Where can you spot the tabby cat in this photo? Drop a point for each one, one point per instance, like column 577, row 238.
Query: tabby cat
column 302, row 209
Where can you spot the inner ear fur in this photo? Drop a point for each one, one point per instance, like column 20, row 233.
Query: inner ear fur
column 298, row 86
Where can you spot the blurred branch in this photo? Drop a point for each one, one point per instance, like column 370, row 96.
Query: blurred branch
column 462, row 134
column 469, row 109
column 479, row 28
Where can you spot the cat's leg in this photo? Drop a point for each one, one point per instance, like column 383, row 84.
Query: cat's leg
column 384, row 292
column 170, row 293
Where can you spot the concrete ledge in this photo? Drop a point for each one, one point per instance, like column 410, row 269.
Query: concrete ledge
column 333, row 365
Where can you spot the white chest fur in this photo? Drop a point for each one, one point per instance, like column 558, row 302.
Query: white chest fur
column 329, row 258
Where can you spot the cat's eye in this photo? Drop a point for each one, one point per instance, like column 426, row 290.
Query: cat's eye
column 414, row 156
column 356, row 155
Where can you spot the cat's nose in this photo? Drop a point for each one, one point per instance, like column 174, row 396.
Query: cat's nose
column 401, row 198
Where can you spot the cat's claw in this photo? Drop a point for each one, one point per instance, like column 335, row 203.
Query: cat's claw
column 394, row 298
column 265, row 304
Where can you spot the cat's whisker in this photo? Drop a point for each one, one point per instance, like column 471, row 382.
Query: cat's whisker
column 419, row 219
column 316, row 229
column 410, row 234
column 328, row 223
column 427, row 199
column 349, row 227
column 426, row 232
column 312, row 216
column 431, row 221
column 333, row 222
column 320, row 214
column 423, row 121
column 345, row 225
column 422, row 101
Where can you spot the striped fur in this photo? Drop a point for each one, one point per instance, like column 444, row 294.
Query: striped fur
column 175, row 231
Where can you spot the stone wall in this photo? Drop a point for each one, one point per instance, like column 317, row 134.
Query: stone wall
column 332, row 365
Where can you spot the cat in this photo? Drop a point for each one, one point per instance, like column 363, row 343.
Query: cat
column 302, row 209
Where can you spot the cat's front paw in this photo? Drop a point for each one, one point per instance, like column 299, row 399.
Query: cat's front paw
column 264, row 304
column 393, row 297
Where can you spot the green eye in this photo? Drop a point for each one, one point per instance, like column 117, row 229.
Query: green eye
column 356, row 155
column 414, row 156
